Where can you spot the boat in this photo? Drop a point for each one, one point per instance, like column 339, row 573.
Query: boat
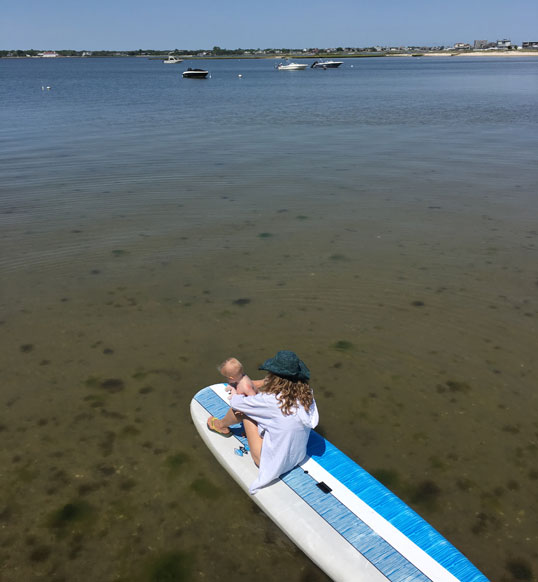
column 291, row 67
column 172, row 60
column 325, row 64
column 195, row 73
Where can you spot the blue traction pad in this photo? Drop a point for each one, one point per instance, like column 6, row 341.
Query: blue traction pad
column 373, row 547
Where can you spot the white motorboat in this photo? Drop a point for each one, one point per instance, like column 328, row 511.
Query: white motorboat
column 195, row 73
column 291, row 67
column 326, row 64
column 172, row 60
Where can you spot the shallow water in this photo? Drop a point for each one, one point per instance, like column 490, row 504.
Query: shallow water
column 379, row 219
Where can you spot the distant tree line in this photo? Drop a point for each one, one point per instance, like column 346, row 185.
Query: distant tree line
column 215, row 51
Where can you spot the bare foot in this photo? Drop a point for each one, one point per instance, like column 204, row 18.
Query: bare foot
column 215, row 425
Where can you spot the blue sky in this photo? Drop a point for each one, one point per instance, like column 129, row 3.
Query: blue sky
column 192, row 24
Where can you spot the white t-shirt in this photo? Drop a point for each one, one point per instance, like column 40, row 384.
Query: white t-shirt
column 284, row 437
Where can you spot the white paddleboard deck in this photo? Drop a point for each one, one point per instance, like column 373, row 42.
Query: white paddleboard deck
column 342, row 518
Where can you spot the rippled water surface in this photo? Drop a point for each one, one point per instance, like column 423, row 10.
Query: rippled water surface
column 379, row 219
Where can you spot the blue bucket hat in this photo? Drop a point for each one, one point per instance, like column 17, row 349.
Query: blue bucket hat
column 287, row 365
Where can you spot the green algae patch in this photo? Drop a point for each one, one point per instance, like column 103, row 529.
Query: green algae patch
column 77, row 513
column 140, row 375
column 204, row 488
column 112, row 385
column 129, row 431
column 457, row 386
column 343, row 345
column 171, row 567
column 91, row 382
column 176, row 463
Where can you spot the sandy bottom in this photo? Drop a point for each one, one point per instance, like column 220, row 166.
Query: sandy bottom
column 418, row 322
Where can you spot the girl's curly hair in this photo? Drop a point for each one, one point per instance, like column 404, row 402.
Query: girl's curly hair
column 288, row 393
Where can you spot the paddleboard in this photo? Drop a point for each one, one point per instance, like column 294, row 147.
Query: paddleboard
column 341, row 517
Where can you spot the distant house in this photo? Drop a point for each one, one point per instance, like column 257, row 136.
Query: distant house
column 504, row 44
column 530, row 44
column 48, row 54
column 462, row 46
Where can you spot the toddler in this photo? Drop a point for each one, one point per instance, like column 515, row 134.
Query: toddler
column 238, row 381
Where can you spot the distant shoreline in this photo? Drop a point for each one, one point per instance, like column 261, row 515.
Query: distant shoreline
column 511, row 54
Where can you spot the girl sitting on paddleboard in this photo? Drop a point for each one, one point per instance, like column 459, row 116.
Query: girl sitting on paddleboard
column 277, row 420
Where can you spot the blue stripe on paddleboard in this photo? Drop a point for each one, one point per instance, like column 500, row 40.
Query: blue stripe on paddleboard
column 369, row 544
column 393, row 509
column 373, row 493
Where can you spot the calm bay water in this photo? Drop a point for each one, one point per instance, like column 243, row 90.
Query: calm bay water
column 379, row 219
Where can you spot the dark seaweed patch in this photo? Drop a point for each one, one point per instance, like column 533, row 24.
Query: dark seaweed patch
column 174, row 463
column 127, row 484
column 510, row 428
column 91, row 382
column 483, row 522
column 6, row 514
column 129, row 430
column 417, row 303
column 204, row 488
column 456, row 386
column 520, row 569
column 464, row 484
column 242, row 301
column 343, row 345
column 40, row 553
column 70, row 513
column 533, row 474
column 112, row 414
column 265, row 235
column 171, row 567
column 26, row 348
column 107, row 444
column 146, row 390
column 86, row 488
column 112, row 385
column 106, row 470
column 425, row 492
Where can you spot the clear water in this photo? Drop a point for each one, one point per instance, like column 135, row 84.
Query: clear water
column 379, row 218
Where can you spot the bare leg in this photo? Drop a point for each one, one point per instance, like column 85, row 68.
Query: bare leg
column 255, row 441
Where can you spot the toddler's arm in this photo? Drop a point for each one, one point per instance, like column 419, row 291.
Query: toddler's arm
column 246, row 387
